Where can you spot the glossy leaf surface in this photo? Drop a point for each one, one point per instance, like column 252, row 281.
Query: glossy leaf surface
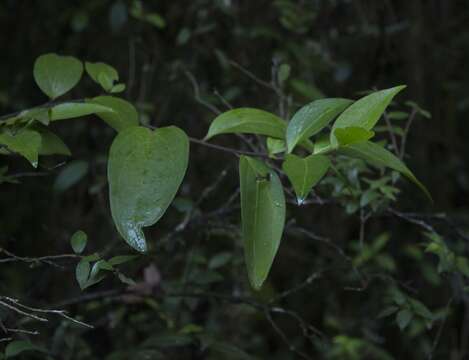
column 262, row 217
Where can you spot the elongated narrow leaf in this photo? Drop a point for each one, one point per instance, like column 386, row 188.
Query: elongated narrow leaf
column 247, row 120
column 312, row 118
column 55, row 75
column 379, row 156
column 304, row 173
column 366, row 111
column 72, row 110
column 26, row 143
column 352, row 134
column 124, row 114
column 262, row 217
column 145, row 171
column 251, row 121
column 70, row 175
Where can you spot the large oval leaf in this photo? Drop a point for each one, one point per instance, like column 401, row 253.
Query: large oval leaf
column 366, row 111
column 304, row 173
column 145, row 171
column 26, row 143
column 55, row 75
column 379, row 156
column 124, row 114
column 312, row 118
column 262, row 217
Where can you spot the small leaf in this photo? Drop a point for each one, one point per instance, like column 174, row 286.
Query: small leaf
column 379, row 156
column 312, row 118
column 145, row 171
column 78, row 241
column 118, row 88
column 70, row 175
column 304, row 173
column 284, row 73
column 366, row 111
column 403, row 318
column 262, row 217
column 82, row 273
column 26, row 142
column 275, row 146
column 76, row 109
column 55, row 75
column 103, row 74
column 220, row 260
column 123, row 113
column 352, row 134
column 388, row 311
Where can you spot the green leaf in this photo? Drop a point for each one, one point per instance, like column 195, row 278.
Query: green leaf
column 76, row 109
column 124, row 114
column 304, row 173
column 275, row 146
column 379, row 156
column 312, row 118
column 51, row 144
column 262, row 217
column 25, row 142
column 17, row 347
column 121, row 259
column 55, row 75
column 70, row 175
column 118, row 88
column 352, row 134
column 403, row 318
column 228, row 351
column 247, row 120
column 145, row 171
column 78, row 241
column 82, row 273
column 366, row 111
column 103, row 74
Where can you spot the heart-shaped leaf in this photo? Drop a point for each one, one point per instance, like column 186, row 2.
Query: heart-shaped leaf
column 312, row 118
column 145, row 171
column 304, row 173
column 366, row 111
column 55, row 75
column 262, row 217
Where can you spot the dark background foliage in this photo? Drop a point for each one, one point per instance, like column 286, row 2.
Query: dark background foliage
column 191, row 59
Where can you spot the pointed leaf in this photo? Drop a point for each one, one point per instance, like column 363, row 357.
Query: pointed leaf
column 352, row 134
column 55, row 75
column 103, row 74
column 78, row 241
column 379, row 156
column 77, row 109
column 70, row 175
column 262, row 217
column 247, row 120
column 26, row 143
column 145, row 171
column 366, row 111
column 124, row 113
column 403, row 318
column 304, row 173
column 17, row 347
column 275, row 146
column 312, row 118
column 82, row 273
column 51, row 144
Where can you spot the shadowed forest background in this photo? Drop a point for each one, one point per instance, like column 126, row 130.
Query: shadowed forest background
column 338, row 266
